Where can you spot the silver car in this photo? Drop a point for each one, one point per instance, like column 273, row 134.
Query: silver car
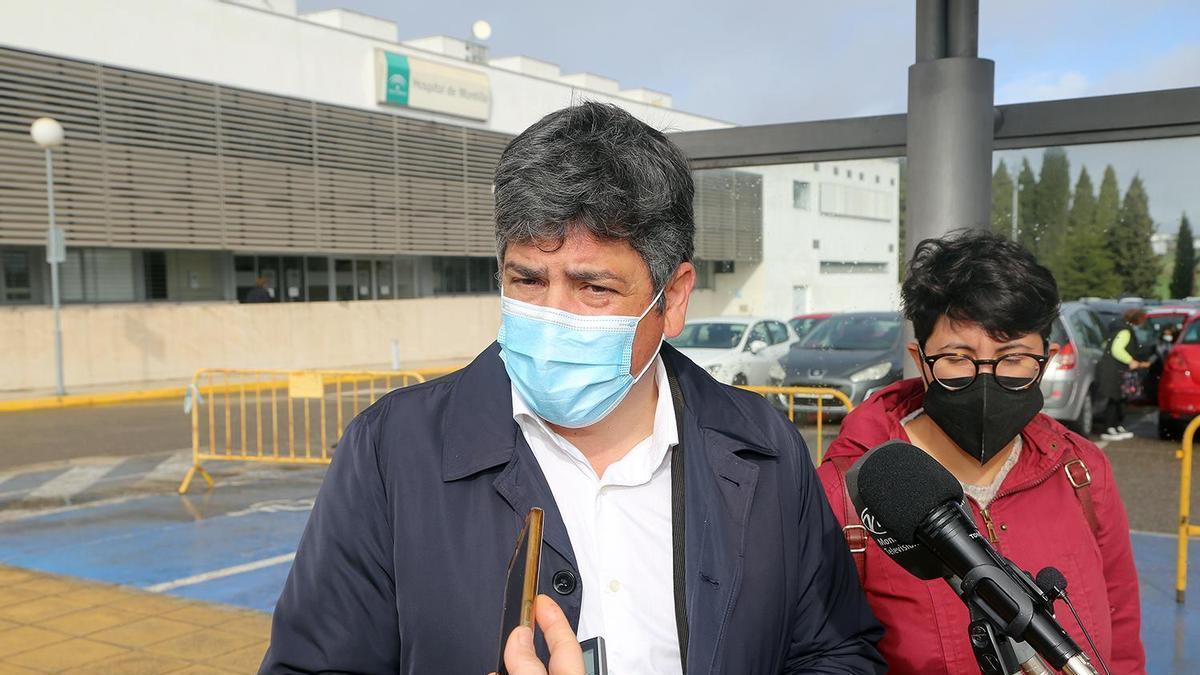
column 1069, row 384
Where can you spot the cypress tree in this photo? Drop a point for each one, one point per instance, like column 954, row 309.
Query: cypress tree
column 1108, row 207
column 1087, row 269
column 1050, row 207
column 1183, row 279
column 1029, row 231
column 1134, row 259
column 1002, row 187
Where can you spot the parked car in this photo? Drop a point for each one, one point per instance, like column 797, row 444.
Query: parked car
column 1179, row 388
column 856, row 353
column 1155, row 347
column 736, row 350
column 1068, row 386
column 805, row 323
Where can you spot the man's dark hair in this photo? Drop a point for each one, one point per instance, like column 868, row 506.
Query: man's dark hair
column 982, row 278
column 597, row 167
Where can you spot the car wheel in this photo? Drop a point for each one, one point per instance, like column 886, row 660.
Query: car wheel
column 1167, row 428
column 739, row 380
column 1084, row 423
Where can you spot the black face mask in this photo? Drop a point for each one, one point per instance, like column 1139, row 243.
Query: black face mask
column 983, row 418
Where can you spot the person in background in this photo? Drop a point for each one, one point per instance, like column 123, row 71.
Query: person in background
column 1120, row 352
column 982, row 308
column 260, row 292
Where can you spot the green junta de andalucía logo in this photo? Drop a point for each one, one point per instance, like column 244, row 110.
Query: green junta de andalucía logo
column 398, row 77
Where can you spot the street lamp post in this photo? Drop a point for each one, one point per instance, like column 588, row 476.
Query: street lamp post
column 48, row 134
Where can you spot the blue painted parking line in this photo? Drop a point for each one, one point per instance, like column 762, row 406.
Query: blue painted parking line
column 1169, row 630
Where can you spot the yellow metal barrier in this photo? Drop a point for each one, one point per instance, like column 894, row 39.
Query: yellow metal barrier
column 1186, row 529
column 281, row 416
column 818, row 394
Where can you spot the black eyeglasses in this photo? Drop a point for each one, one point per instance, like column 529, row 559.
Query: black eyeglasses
column 1014, row 372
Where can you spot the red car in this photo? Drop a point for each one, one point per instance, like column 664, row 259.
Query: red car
column 805, row 323
column 1179, row 388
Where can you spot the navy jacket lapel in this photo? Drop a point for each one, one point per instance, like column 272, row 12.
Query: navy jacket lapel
column 486, row 436
column 720, row 487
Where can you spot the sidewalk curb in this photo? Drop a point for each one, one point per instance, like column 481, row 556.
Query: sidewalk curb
column 84, row 400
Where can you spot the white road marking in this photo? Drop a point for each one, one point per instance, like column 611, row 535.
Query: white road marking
column 221, row 573
column 72, row 481
column 170, row 469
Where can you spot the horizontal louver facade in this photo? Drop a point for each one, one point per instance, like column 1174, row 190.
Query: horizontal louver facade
column 159, row 162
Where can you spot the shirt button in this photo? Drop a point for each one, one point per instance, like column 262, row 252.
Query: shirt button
column 614, row 585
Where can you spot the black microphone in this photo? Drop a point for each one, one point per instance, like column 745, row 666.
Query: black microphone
column 1052, row 582
column 913, row 508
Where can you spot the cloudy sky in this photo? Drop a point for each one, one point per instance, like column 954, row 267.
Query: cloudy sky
column 761, row 61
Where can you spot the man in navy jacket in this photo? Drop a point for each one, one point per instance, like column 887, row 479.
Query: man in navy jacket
column 402, row 566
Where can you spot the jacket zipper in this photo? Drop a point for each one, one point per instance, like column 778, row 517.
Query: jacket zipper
column 991, row 527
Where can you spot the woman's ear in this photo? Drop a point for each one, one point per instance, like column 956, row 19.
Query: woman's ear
column 914, row 352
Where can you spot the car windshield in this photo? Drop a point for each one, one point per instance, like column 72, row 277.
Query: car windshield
column 854, row 332
column 1192, row 335
column 804, row 326
column 1158, row 323
column 709, row 335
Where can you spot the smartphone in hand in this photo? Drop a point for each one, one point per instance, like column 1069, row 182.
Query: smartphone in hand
column 521, row 584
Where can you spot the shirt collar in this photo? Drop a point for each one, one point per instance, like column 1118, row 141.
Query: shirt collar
column 641, row 462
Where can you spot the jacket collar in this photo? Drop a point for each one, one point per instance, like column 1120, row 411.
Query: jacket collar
column 479, row 433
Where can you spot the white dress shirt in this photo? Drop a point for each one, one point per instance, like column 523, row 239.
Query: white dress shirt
column 620, row 530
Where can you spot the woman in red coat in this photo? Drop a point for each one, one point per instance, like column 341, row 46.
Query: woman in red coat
column 981, row 309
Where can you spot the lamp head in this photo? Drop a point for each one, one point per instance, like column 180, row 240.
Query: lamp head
column 47, row 132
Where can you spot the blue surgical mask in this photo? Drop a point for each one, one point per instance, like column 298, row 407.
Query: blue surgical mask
column 572, row 370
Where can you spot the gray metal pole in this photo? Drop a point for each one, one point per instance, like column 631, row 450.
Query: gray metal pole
column 51, row 240
column 950, row 125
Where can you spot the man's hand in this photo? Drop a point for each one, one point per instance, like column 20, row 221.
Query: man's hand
column 566, row 657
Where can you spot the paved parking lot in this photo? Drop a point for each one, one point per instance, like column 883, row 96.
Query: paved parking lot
column 115, row 518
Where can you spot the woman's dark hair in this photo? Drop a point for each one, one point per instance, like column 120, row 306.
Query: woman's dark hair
column 1134, row 316
column 979, row 277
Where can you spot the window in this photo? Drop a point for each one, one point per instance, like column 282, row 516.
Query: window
column 709, row 335
column 464, row 275
column 154, row 274
column 835, row 171
column 816, row 167
column 343, row 279
column 384, row 287
column 861, row 176
column 704, row 275
column 778, row 331
column 318, row 279
column 816, row 244
column 800, row 192
column 97, row 275
column 16, row 283
column 893, row 182
column 759, row 332
column 891, row 248
column 1085, row 331
column 837, row 267
column 877, row 179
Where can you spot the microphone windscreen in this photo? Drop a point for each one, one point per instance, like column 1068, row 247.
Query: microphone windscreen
column 900, row 484
column 1051, row 581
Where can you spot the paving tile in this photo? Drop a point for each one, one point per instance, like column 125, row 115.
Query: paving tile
column 257, row 624
column 14, row 575
column 70, row 654
column 93, row 594
column 202, row 615
column 23, row 638
column 12, row 595
column 205, row 643
column 148, row 603
column 245, row 660
column 144, row 631
column 130, row 663
column 47, row 585
column 90, row 620
column 197, row 669
column 33, row 611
